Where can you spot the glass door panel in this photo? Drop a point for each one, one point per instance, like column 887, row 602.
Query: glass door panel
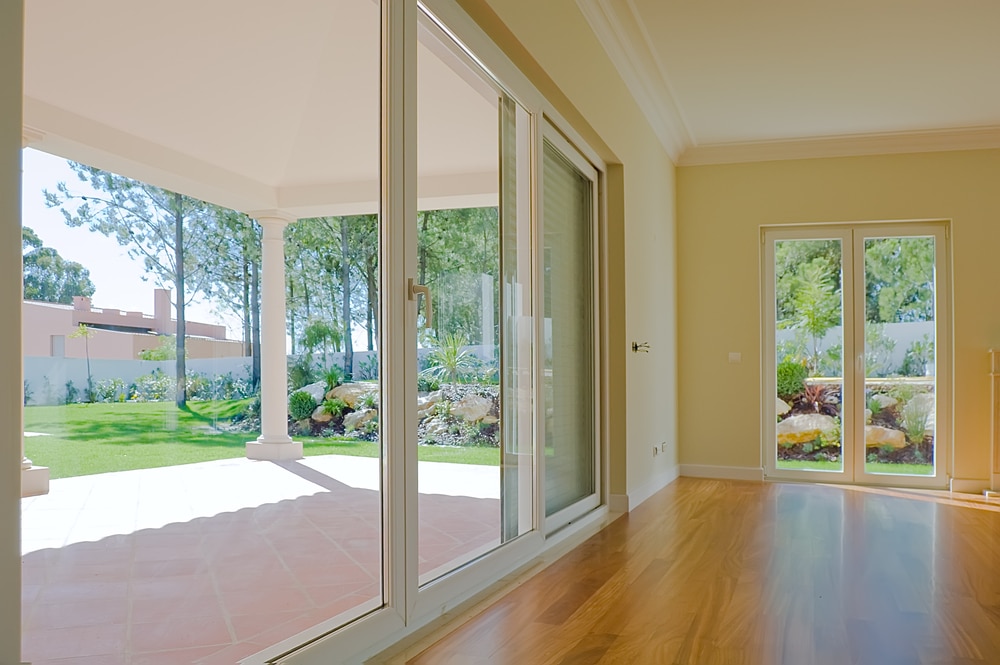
column 569, row 382
column 899, row 355
column 473, row 256
column 809, row 350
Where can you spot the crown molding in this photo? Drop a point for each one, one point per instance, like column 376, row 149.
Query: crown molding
column 621, row 34
column 970, row 138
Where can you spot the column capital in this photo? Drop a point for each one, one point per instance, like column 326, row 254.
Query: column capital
column 273, row 216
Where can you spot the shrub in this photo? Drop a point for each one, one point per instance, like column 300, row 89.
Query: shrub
column 368, row 368
column 335, row 407
column 300, row 373
column 334, row 376
column 71, row 392
column 27, row 392
column 918, row 356
column 368, row 401
column 791, row 379
column 449, row 359
column 153, row 387
column 916, row 414
column 427, row 384
column 301, row 405
column 110, row 390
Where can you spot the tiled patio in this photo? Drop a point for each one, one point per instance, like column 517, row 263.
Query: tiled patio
column 209, row 563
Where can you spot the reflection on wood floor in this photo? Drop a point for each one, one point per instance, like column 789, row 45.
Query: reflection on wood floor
column 737, row 573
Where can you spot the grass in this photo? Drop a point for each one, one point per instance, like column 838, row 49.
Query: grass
column 84, row 439
column 870, row 467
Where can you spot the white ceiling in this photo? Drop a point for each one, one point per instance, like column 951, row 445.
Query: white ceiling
column 740, row 75
column 253, row 104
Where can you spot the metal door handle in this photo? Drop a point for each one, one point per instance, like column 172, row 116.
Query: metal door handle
column 420, row 289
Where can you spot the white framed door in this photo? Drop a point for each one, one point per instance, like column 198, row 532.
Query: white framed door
column 569, row 417
column 856, row 353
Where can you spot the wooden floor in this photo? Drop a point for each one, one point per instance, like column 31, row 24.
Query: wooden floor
column 719, row 572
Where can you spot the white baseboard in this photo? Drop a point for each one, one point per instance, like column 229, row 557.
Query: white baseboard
column 970, row 485
column 618, row 503
column 722, row 472
column 623, row 503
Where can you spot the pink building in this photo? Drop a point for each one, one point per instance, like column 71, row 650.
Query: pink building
column 116, row 335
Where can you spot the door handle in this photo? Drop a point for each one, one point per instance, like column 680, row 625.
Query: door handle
column 416, row 290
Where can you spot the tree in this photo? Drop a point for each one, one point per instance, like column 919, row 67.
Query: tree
column 84, row 331
column 164, row 229
column 817, row 306
column 49, row 277
column 899, row 280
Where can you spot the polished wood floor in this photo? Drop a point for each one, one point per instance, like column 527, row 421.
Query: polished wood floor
column 719, row 572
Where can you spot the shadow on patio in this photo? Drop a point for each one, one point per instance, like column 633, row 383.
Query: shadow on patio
column 214, row 588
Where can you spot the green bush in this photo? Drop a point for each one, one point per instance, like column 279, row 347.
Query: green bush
column 334, row 376
column 301, row 372
column 791, row 378
column 301, row 405
column 110, row 390
column 335, row 407
column 427, row 384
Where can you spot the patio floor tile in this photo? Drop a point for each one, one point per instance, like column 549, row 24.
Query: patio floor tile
column 174, row 574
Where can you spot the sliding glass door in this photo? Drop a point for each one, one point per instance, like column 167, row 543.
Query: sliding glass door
column 856, row 353
column 569, row 209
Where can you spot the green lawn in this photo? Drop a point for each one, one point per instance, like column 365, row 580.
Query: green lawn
column 870, row 467
column 97, row 438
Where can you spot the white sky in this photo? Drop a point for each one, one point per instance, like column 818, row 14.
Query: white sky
column 118, row 279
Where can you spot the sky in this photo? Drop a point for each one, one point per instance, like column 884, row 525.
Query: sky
column 118, row 279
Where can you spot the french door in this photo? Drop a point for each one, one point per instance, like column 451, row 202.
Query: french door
column 856, row 349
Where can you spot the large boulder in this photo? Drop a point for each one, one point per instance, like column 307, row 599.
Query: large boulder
column 351, row 393
column 472, row 408
column 883, row 437
column 353, row 421
column 320, row 415
column 317, row 390
column 805, row 428
column 884, row 401
column 426, row 403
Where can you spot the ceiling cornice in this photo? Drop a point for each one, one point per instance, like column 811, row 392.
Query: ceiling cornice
column 972, row 138
column 620, row 33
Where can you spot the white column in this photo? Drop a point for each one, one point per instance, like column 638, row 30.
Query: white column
column 273, row 442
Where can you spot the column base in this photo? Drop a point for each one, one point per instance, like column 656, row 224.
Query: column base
column 274, row 451
column 34, row 481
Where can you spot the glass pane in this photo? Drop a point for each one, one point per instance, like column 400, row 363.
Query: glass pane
column 809, row 338
column 900, row 405
column 474, row 437
column 568, row 384
column 159, row 540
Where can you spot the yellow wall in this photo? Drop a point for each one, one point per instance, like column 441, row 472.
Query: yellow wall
column 553, row 44
column 720, row 210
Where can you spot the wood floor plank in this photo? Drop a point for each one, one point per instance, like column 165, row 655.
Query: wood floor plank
column 722, row 572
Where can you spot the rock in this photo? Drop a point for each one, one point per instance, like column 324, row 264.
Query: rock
column 426, row 404
column 435, row 427
column 803, row 428
column 315, row 389
column 884, row 401
column 320, row 415
column 351, row 393
column 489, row 420
column 353, row 421
column 782, row 407
column 471, row 408
column 878, row 437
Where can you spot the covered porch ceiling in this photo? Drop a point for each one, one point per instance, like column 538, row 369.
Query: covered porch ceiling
column 251, row 105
